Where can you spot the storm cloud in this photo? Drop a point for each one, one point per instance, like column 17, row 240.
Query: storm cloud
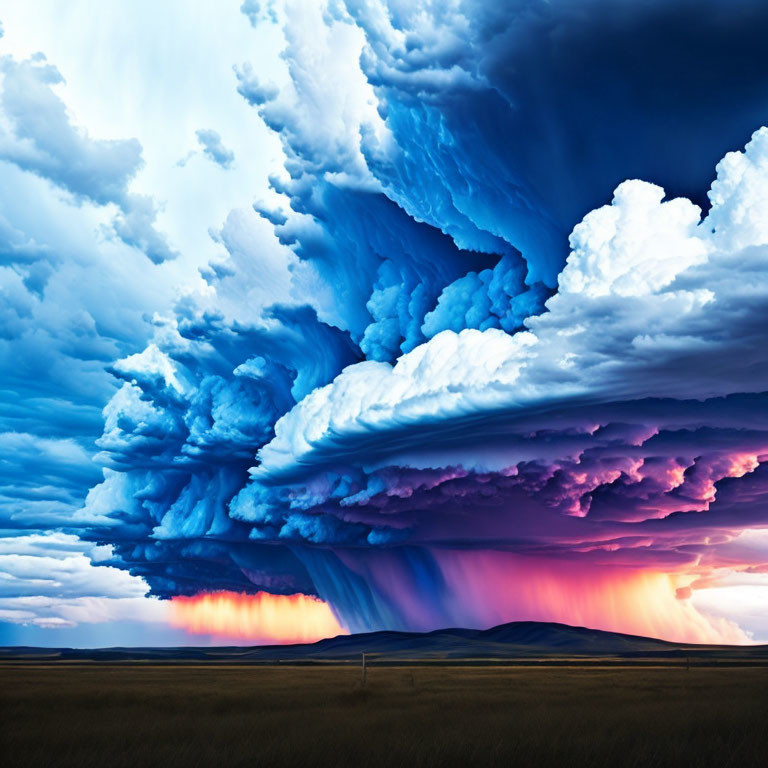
column 498, row 319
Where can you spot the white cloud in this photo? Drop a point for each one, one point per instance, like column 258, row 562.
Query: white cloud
column 55, row 613
column 48, row 580
column 744, row 605
column 149, row 364
column 139, row 82
column 651, row 304
column 328, row 102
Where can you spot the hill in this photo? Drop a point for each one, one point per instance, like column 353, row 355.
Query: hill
column 522, row 642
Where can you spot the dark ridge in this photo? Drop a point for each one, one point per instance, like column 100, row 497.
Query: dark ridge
column 522, row 640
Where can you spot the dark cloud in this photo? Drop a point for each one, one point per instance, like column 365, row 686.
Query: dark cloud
column 516, row 119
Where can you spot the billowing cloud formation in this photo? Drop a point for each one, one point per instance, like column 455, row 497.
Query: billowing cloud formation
column 575, row 450
column 591, row 435
column 646, row 303
column 70, row 301
column 403, row 383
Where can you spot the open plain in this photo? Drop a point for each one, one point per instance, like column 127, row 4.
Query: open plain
column 133, row 715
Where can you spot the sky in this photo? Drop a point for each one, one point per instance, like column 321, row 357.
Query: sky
column 329, row 316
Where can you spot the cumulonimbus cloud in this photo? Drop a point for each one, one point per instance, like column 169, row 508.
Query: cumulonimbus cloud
column 445, row 391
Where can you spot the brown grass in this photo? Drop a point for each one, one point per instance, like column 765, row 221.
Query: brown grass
column 224, row 716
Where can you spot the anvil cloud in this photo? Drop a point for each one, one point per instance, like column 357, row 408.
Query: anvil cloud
column 485, row 343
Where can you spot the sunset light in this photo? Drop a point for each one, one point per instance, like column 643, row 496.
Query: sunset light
column 262, row 618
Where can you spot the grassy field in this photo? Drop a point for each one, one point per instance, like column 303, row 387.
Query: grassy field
column 136, row 715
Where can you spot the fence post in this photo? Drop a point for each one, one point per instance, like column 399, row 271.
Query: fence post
column 365, row 671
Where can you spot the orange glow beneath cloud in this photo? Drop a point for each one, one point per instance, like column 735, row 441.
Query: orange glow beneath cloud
column 261, row 618
column 633, row 601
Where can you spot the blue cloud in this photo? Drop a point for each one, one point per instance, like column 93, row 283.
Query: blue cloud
column 251, row 88
column 401, row 353
column 258, row 11
column 46, row 143
column 71, row 300
column 214, row 149
column 43, row 141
